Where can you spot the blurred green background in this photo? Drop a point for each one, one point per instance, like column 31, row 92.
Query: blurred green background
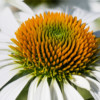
column 37, row 2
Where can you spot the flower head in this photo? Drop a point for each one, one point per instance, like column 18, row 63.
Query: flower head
column 55, row 45
column 56, row 51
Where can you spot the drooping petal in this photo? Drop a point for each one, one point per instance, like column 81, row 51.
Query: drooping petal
column 21, row 5
column 7, row 73
column 55, row 91
column 8, row 23
column 71, row 93
column 43, row 91
column 96, row 74
column 45, row 95
column 32, row 89
column 12, row 90
column 95, row 88
column 80, row 82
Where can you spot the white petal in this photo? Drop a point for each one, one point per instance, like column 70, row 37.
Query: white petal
column 95, row 6
column 4, row 57
column 43, row 91
column 8, row 24
column 94, row 84
column 4, row 46
column 55, row 91
column 91, row 17
column 86, row 16
column 21, row 5
column 5, row 63
column 4, row 37
column 71, row 93
column 59, row 10
column 95, row 95
column 78, row 12
column 7, row 73
column 80, row 82
column 97, row 75
column 32, row 89
column 12, row 90
column 4, row 52
column 97, row 68
column 2, row 4
column 44, row 8
column 24, row 16
column 95, row 88
column 40, row 9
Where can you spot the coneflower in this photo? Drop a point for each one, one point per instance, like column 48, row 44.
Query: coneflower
column 55, row 51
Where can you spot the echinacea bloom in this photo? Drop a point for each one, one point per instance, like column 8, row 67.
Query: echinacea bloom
column 55, row 52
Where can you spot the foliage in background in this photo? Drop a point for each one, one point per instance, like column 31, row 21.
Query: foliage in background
column 37, row 2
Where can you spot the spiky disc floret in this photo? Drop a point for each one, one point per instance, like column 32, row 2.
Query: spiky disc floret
column 56, row 45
